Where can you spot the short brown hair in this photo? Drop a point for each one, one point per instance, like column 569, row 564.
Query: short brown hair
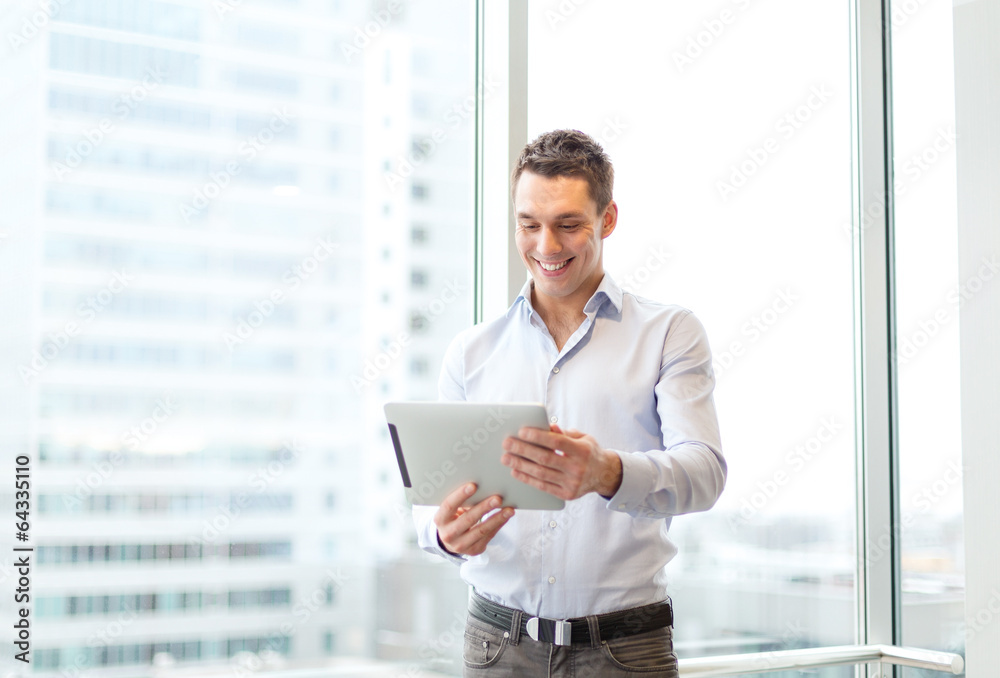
column 568, row 152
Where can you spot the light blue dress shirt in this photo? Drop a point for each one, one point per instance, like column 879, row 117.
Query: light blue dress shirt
column 637, row 376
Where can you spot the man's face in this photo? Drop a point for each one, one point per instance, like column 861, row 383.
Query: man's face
column 558, row 234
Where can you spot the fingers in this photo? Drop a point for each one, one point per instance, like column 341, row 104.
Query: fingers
column 531, row 459
column 537, row 446
column 526, row 470
column 539, row 437
column 570, row 432
column 553, row 439
column 475, row 540
column 454, row 501
column 536, row 480
column 462, row 529
column 552, row 461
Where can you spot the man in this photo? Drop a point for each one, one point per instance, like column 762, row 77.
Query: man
column 636, row 375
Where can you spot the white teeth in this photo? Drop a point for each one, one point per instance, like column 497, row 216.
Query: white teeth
column 552, row 267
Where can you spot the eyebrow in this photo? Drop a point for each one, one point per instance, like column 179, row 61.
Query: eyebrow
column 559, row 217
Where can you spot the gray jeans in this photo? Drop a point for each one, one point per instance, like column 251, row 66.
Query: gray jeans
column 491, row 652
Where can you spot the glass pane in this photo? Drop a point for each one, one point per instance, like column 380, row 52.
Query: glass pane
column 733, row 181
column 927, row 346
column 231, row 230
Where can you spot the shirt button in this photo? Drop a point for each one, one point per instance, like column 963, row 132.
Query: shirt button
column 555, row 370
column 621, row 507
column 553, row 419
column 552, row 523
column 552, row 580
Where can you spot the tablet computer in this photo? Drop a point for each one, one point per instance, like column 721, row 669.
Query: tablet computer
column 442, row 445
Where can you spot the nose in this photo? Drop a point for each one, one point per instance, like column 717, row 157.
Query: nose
column 548, row 241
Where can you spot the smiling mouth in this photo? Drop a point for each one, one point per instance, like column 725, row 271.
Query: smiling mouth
column 553, row 267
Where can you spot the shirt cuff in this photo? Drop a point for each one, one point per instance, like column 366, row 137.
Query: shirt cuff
column 427, row 536
column 454, row 557
column 638, row 481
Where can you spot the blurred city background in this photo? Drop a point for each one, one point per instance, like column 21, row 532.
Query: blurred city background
column 232, row 229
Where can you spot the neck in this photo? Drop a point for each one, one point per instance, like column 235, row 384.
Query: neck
column 565, row 308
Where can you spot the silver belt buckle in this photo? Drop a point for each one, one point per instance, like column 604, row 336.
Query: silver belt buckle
column 563, row 630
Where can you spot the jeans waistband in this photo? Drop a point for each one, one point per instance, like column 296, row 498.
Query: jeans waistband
column 581, row 630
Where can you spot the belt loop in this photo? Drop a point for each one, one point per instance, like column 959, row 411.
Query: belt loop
column 595, row 631
column 515, row 626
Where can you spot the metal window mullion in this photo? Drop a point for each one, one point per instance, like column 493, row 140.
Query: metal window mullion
column 878, row 573
column 477, row 171
column 501, row 132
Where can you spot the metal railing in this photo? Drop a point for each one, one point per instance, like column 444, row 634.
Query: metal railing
column 785, row 660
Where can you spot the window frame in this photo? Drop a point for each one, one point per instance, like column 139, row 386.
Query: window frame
column 501, row 132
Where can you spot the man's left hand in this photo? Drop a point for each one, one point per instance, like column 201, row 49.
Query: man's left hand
column 579, row 467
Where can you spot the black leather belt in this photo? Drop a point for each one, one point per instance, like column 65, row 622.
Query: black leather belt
column 573, row 631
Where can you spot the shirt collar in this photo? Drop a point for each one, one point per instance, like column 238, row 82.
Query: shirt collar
column 608, row 290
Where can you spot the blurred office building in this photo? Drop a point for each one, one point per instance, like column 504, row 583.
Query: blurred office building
column 233, row 244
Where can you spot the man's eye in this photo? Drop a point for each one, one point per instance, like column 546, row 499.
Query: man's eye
column 568, row 225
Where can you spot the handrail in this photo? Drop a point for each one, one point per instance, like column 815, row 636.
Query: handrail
column 784, row 660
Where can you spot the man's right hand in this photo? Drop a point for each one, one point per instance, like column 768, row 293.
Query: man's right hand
column 461, row 529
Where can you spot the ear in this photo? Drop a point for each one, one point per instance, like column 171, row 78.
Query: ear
column 610, row 219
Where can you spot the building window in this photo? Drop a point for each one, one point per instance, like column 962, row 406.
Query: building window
column 418, row 322
column 419, row 367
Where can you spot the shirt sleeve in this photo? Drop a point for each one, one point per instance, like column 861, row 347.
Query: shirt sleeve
column 690, row 473
column 451, row 386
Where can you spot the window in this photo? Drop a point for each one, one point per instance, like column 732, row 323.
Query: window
column 126, row 61
column 929, row 297
column 418, row 321
column 147, row 16
column 746, row 232
column 419, row 367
